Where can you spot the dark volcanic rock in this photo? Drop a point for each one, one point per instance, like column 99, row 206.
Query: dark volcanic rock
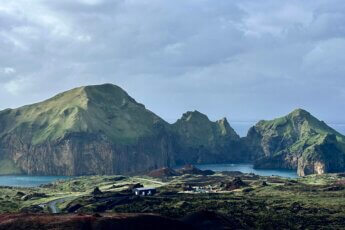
column 134, row 186
column 32, row 209
column 96, row 191
column 163, row 172
column 234, row 184
column 73, row 208
column 20, row 194
column 191, row 169
column 81, row 222
column 206, row 220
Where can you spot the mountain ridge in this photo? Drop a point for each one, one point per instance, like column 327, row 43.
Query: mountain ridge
column 95, row 129
column 100, row 129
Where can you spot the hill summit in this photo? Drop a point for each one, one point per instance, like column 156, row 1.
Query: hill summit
column 106, row 109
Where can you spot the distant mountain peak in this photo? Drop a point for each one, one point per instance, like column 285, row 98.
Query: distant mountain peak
column 297, row 140
column 194, row 115
column 299, row 113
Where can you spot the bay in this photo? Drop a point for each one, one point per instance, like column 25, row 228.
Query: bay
column 248, row 168
column 29, row 181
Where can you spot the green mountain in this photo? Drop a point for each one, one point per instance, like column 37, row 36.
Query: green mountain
column 105, row 109
column 297, row 141
column 203, row 141
column 87, row 130
column 101, row 130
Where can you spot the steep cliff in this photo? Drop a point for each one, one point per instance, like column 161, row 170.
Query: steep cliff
column 87, row 130
column 200, row 140
column 297, row 141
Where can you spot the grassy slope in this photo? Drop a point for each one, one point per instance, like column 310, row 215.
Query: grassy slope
column 298, row 122
column 92, row 109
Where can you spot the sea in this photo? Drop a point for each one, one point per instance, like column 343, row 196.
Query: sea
column 29, row 181
column 248, row 168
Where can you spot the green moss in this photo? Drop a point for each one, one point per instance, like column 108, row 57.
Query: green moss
column 289, row 204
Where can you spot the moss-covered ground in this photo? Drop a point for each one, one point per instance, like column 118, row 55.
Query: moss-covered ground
column 312, row 202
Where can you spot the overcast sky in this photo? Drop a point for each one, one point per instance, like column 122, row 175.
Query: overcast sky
column 246, row 60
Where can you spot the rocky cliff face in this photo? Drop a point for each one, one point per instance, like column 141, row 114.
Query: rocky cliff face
column 297, row 141
column 200, row 140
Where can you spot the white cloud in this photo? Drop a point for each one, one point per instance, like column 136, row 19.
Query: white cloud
column 243, row 59
column 8, row 70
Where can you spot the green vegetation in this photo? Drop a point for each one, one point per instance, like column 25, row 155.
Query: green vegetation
column 257, row 202
column 298, row 141
column 80, row 131
column 298, row 124
column 91, row 109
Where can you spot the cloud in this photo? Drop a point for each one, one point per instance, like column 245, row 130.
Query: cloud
column 8, row 70
column 246, row 60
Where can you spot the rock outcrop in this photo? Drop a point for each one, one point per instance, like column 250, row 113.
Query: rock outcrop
column 297, row 141
column 200, row 140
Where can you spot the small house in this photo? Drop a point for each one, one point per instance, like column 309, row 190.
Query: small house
column 144, row 191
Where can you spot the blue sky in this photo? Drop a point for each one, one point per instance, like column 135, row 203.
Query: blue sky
column 245, row 60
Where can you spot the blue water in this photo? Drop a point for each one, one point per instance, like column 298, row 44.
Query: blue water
column 29, row 181
column 248, row 168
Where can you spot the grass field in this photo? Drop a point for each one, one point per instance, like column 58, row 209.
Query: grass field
column 259, row 202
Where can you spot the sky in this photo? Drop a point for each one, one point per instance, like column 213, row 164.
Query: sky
column 242, row 59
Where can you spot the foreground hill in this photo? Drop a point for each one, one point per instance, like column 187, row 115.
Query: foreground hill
column 297, row 141
column 80, row 222
column 102, row 130
column 185, row 201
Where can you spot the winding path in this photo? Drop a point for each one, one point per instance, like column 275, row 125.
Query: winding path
column 153, row 181
column 52, row 205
